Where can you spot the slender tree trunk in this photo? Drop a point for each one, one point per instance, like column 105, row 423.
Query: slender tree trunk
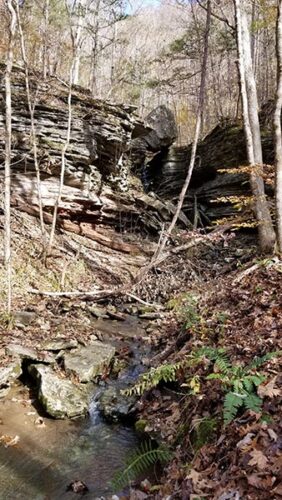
column 196, row 134
column 75, row 38
column 63, row 162
column 93, row 82
column 32, row 121
column 251, row 87
column 8, row 147
column 46, row 43
column 277, row 129
column 252, row 129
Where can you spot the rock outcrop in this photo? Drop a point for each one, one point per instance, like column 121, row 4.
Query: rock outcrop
column 222, row 149
column 87, row 363
column 100, row 193
column 59, row 397
column 8, row 375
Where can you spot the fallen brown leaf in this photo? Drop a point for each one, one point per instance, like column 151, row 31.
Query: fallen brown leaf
column 262, row 483
column 9, row 440
column 268, row 390
column 258, row 459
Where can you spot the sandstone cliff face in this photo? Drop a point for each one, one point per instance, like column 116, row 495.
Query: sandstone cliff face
column 100, row 190
column 222, row 149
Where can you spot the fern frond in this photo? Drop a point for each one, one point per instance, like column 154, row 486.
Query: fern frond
column 259, row 361
column 248, row 384
column 238, row 387
column 231, row 405
column 253, row 402
column 139, row 462
column 214, row 376
column 255, row 379
column 223, row 364
column 163, row 373
column 204, row 431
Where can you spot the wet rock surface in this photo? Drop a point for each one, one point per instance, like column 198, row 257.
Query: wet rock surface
column 89, row 362
column 59, row 397
column 63, row 370
column 52, row 455
column 116, row 407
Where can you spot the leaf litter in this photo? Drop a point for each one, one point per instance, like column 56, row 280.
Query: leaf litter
column 239, row 311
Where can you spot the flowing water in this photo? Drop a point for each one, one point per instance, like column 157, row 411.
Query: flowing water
column 50, row 454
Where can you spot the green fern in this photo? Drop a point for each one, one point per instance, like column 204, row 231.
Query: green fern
column 216, row 355
column 260, row 361
column 204, row 430
column 163, row 373
column 231, row 405
column 240, row 383
column 253, row 402
column 141, row 460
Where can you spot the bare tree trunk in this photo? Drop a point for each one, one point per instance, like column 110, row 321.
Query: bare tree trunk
column 75, row 37
column 277, row 129
column 8, row 148
column 32, row 122
column 251, row 86
column 196, row 134
column 46, row 44
column 93, row 83
column 63, row 161
column 252, row 129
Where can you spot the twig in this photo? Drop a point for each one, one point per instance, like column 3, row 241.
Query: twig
column 92, row 293
column 155, row 306
column 96, row 294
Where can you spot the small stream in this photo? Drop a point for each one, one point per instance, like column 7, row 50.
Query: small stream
column 50, row 454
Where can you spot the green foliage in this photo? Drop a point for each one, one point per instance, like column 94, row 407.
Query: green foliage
column 191, row 43
column 139, row 462
column 190, row 312
column 179, row 45
column 204, row 430
column 186, row 308
column 240, row 382
column 231, row 405
column 224, row 40
column 163, row 373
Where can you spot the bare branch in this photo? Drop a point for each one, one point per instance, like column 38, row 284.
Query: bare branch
column 216, row 16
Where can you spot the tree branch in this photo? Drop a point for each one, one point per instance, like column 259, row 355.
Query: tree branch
column 216, row 16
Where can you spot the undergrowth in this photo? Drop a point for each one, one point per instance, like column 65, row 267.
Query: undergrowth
column 239, row 382
column 139, row 462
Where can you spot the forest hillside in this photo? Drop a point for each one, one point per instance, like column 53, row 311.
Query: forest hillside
column 141, row 243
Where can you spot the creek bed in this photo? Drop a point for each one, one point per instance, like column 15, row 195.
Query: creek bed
column 50, row 454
